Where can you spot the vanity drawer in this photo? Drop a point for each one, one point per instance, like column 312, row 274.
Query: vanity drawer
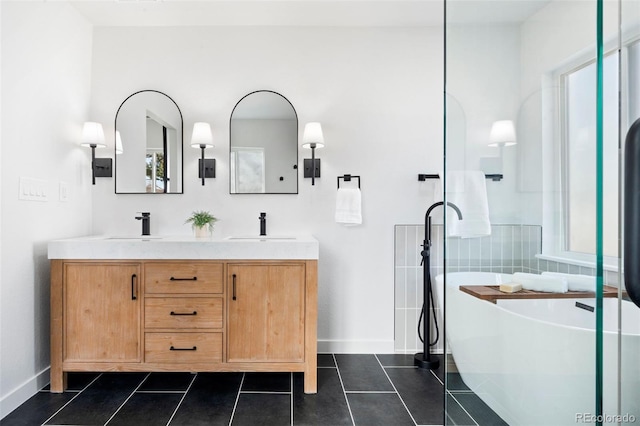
column 183, row 277
column 183, row 312
column 183, row 347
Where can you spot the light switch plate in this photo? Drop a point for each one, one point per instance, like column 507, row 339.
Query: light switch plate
column 64, row 191
column 32, row 189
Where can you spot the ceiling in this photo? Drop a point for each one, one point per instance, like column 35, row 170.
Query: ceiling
column 393, row 13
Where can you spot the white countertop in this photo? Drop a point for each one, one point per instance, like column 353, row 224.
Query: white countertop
column 299, row 247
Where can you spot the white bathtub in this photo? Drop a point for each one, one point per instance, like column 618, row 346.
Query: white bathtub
column 533, row 361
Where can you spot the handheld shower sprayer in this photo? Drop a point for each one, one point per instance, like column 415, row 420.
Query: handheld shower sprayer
column 423, row 359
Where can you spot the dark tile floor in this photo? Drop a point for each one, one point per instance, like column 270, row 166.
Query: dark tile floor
column 352, row 389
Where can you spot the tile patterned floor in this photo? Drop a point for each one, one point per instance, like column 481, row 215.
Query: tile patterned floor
column 364, row 389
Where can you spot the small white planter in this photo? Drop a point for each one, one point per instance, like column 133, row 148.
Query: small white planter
column 202, row 232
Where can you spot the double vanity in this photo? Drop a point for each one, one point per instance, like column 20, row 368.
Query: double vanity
column 181, row 304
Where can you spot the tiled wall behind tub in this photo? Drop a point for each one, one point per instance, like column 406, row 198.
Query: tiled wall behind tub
column 610, row 277
column 509, row 249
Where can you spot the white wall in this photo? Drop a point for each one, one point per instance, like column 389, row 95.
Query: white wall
column 46, row 59
column 377, row 93
column 1, row 139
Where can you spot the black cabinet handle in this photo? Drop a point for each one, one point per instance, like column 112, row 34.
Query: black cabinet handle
column 632, row 213
column 183, row 349
column 134, row 278
column 234, row 286
column 184, row 313
column 183, row 279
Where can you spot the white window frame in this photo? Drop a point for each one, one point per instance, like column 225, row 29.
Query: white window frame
column 557, row 250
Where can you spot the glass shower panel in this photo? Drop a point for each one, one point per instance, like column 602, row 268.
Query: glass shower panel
column 529, row 357
column 627, row 395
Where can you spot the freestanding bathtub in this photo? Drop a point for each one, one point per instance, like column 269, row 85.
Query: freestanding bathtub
column 533, row 361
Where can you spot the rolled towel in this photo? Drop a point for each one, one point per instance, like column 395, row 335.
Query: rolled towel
column 576, row 282
column 537, row 282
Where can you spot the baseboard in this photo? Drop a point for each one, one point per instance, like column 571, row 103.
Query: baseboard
column 414, row 351
column 356, row 346
column 22, row 393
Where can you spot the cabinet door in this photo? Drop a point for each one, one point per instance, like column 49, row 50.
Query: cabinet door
column 102, row 312
column 266, row 313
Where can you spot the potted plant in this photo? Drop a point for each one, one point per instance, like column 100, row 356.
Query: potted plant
column 202, row 223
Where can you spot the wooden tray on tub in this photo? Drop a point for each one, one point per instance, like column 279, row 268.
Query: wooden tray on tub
column 492, row 293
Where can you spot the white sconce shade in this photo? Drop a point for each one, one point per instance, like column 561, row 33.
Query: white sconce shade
column 503, row 133
column 119, row 149
column 312, row 135
column 201, row 136
column 312, row 138
column 92, row 135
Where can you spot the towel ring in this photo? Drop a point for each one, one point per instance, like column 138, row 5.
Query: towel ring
column 347, row 178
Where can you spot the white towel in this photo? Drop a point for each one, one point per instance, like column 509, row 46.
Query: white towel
column 468, row 191
column 537, row 282
column 576, row 282
column 349, row 206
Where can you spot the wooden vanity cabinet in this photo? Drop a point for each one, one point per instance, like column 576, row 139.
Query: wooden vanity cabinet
column 183, row 315
column 101, row 312
column 266, row 313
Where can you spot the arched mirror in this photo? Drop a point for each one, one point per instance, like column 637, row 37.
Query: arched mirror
column 148, row 145
column 264, row 145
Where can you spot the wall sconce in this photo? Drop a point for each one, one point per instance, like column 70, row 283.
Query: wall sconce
column 93, row 137
column 503, row 133
column 202, row 138
column 312, row 138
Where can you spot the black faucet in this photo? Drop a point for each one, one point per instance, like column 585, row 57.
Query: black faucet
column 423, row 359
column 146, row 222
column 427, row 224
column 263, row 224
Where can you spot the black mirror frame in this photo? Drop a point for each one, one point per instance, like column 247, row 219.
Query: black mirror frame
column 295, row 166
column 115, row 156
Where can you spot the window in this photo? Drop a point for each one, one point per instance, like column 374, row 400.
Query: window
column 579, row 150
column 248, row 170
column 155, row 171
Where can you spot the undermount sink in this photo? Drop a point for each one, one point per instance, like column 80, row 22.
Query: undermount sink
column 261, row 238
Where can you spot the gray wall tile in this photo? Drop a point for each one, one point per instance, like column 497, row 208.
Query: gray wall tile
column 505, row 251
column 400, row 287
column 400, row 245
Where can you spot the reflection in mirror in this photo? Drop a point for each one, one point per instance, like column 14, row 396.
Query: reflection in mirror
column 264, row 145
column 149, row 153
